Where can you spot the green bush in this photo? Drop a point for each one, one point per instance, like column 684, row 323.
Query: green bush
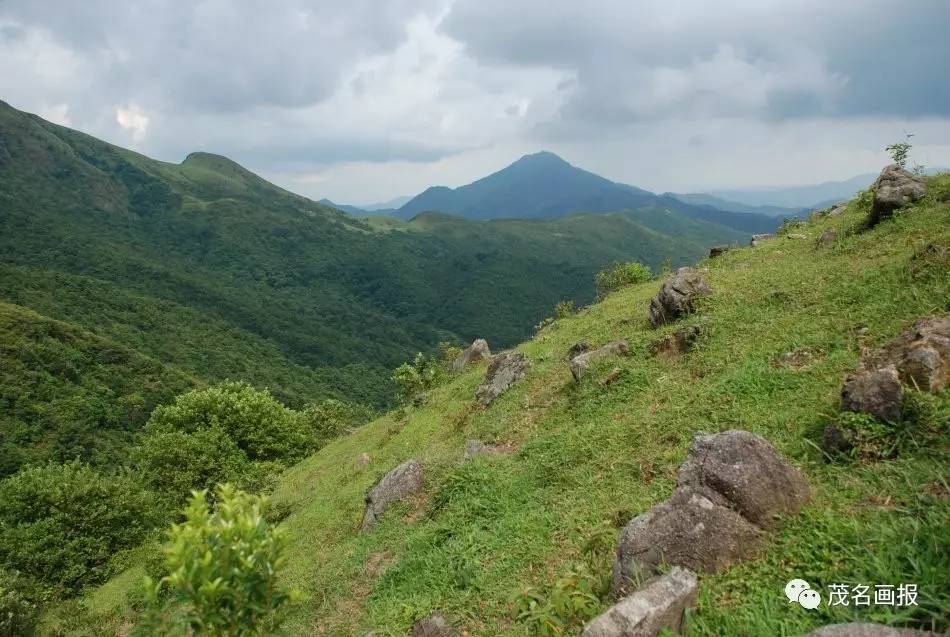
column 332, row 418
column 62, row 523
column 222, row 571
column 418, row 376
column 564, row 309
column 619, row 275
column 18, row 611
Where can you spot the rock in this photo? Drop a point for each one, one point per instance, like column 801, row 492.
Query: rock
column 877, row 392
column 400, row 483
column 838, row 210
column 478, row 448
column 827, row 238
column 744, row 469
column 475, row 352
column 660, row 603
column 363, row 460
column 796, row 236
column 678, row 343
column 577, row 349
column 893, row 189
column 921, row 354
column 612, row 376
column 435, row 625
column 834, row 441
column 504, row 371
column 689, row 530
column 677, row 296
column 867, row 630
column 758, row 239
column 718, row 251
column 581, row 362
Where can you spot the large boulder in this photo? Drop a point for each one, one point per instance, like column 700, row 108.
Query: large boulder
column 400, row 483
column 895, row 188
column 504, row 371
column 677, row 296
column 660, row 603
column 877, row 392
column 475, row 352
column 867, row 630
column 743, row 468
column 435, row 625
column 691, row 529
column 921, row 354
column 581, row 362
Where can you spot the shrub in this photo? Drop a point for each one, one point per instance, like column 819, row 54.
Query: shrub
column 222, row 571
column 900, row 151
column 418, row 376
column 18, row 611
column 332, row 418
column 565, row 309
column 619, row 275
column 62, row 523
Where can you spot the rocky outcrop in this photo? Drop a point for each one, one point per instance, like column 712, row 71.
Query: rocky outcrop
column 658, row 604
column 838, row 210
column 868, row 630
column 400, row 483
column 718, row 251
column 577, row 349
column 877, row 392
column 677, row 296
column 475, row 352
column 435, row 625
column 894, row 189
column 921, row 354
column 827, row 238
column 678, row 343
column 581, row 362
column 732, row 487
column 758, row 239
column 504, row 371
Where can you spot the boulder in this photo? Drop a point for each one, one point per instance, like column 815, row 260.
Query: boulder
column 678, row 343
column 581, row 362
column 677, row 296
column 475, row 352
column 478, row 448
column 659, row 604
column 834, row 441
column 838, row 210
column 718, row 251
column 921, row 354
column 611, row 377
column 363, row 460
column 504, row 371
column 400, row 483
column 893, row 189
column 690, row 530
column 827, row 238
column 876, row 392
column 754, row 479
column 758, row 239
column 867, row 630
column 577, row 349
column 435, row 625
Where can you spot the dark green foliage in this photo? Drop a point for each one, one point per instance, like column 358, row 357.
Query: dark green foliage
column 62, row 523
column 18, row 610
column 332, row 418
column 418, row 376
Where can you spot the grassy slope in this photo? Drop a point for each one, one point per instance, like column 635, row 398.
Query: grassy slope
column 589, row 455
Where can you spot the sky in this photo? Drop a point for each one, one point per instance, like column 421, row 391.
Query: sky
column 367, row 100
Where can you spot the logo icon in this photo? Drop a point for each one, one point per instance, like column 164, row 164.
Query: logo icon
column 798, row 590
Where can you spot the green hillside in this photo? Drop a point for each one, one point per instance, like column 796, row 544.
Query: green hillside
column 785, row 323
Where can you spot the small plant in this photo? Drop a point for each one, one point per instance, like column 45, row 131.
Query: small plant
column 564, row 607
column 223, row 569
column 416, row 377
column 900, row 151
column 619, row 275
column 564, row 309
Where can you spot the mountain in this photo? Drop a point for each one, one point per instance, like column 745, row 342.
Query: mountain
column 392, row 204
column 353, row 210
column 544, row 186
column 700, row 199
column 803, row 197
column 214, row 273
column 498, row 542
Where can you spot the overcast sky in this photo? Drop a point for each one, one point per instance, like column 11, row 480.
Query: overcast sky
column 365, row 100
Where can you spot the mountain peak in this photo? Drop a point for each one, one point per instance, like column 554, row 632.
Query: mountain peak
column 544, row 157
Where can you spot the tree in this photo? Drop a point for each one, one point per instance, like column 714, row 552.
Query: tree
column 900, row 151
column 223, row 569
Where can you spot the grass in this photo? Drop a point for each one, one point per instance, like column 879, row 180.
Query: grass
column 589, row 456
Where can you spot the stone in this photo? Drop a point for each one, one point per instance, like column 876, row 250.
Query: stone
column 678, row 343
column 581, row 362
column 827, row 238
column 478, row 448
column 921, row 354
column 577, row 349
column 400, row 483
column 834, row 441
column 689, row 530
column 745, row 469
column 363, row 460
column 611, row 377
column 435, row 625
column 894, row 189
column 839, row 210
column 718, row 251
column 868, row 630
column 658, row 604
column 504, row 371
column 797, row 236
column 758, row 239
column 677, row 296
column 876, row 392
column 475, row 352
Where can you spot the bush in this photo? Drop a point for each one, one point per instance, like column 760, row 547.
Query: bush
column 418, row 376
column 332, row 418
column 62, row 523
column 18, row 611
column 222, row 571
column 619, row 275
column 565, row 309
